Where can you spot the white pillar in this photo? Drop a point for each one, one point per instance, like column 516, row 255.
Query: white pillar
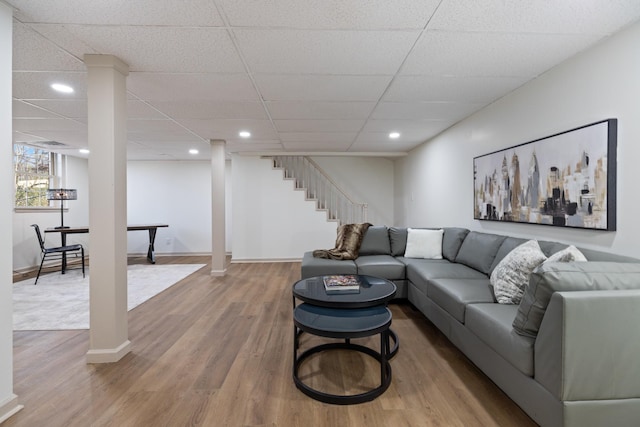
column 8, row 400
column 107, row 112
column 218, row 253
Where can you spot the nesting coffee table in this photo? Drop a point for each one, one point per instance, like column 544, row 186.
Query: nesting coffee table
column 345, row 316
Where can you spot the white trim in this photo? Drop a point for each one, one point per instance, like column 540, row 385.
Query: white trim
column 109, row 355
column 9, row 407
column 264, row 260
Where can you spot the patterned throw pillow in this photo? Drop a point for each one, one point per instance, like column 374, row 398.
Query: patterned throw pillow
column 511, row 275
column 568, row 254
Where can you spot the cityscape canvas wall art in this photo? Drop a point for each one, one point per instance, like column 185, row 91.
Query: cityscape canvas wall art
column 566, row 180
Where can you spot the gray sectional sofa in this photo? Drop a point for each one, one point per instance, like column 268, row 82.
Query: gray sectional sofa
column 568, row 354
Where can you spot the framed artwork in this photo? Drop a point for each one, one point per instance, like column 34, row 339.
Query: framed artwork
column 564, row 180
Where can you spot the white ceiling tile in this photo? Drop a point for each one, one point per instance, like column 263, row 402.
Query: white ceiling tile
column 33, row 125
column 451, row 89
column 212, row 109
column 239, row 147
column 70, row 108
column 157, row 12
column 180, row 87
column 319, row 110
column 72, row 138
column 228, row 129
column 439, row 53
column 321, row 88
column 27, row 110
column 381, row 146
column 164, row 49
column 320, row 146
column 409, row 129
column 319, row 125
column 325, row 52
column 37, row 85
column 153, row 126
column 141, row 110
column 334, row 137
column 330, row 14
column 32, row 52
column 535, row 16
column 424, row 110
column 159, row 138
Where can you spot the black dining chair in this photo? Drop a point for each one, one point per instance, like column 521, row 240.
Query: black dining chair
column 59, row 252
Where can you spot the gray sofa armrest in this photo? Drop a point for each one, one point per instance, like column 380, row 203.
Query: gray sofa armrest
column 588, row 346
column 312, row 267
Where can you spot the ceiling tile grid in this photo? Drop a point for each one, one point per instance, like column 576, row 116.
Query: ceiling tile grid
column 315, row 76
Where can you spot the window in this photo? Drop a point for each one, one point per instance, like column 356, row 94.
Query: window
column 34, row 171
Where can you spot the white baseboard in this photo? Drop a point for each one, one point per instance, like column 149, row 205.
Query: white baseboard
column 263, row 260
column 108, row 355
column 9, row 407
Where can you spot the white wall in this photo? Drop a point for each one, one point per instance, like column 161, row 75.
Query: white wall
column 366, row 180
column 434, row 184
column 271, row 220
column 177, row 193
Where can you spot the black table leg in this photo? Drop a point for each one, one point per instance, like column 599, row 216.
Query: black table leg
column 63, row 240
column 152, row 238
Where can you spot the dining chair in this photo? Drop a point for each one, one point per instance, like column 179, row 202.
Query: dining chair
column 56, row 252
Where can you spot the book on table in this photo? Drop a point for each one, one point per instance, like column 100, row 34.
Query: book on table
column 341, row 283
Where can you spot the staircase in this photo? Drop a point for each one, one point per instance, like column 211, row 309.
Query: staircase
column 317, row 185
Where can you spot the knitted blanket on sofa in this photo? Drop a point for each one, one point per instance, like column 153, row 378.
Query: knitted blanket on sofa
column 347, row 243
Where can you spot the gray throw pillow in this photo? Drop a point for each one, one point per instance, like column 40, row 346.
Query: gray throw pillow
column 569, row 276
column 478, row 250
column 375, row 241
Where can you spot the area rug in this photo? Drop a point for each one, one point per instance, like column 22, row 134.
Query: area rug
column 61, row 301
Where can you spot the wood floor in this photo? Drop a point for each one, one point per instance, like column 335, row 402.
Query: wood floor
column 218, row 352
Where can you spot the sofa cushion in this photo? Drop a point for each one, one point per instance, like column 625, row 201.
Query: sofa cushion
column 384, row 266
column 421, row 270
column 491, row 323
column 453, row 295
column 569, row 276
column 509, row 244
column 423, row 243
column 568, row 254
column 312, row 266
column 479, row 250
column 397, row 240
column 452, row 240
column 375, row 241
column 511, row 275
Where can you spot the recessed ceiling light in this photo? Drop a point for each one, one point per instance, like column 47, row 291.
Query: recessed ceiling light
column 62, row 88
column 193, row 151
column 244, row 134
column 394, row 135
column 84, row 151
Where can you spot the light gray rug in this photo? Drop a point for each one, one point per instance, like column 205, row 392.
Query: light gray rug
column 61, row 301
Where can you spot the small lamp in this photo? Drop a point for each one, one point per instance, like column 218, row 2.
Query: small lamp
column 62, row 194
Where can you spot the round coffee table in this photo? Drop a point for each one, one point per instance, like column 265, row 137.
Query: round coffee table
column 345, row 315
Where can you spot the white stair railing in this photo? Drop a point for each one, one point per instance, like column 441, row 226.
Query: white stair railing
column 318, row 186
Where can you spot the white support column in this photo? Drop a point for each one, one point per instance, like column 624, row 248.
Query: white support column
column 8, row 400
column 218, row 253
column 107, row 112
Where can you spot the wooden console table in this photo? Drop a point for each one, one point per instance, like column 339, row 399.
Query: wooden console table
column 152, row 228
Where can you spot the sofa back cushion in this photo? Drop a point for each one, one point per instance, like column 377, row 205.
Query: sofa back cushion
column 509, row 244
column 569, row 276
column 398, row 240
column 451, row 242
column 375, row 241
column 479, row 250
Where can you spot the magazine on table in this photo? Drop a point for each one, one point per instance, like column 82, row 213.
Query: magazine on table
column 341, row 283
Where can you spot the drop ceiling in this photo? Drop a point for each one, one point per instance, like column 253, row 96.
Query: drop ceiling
column 312, row 76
